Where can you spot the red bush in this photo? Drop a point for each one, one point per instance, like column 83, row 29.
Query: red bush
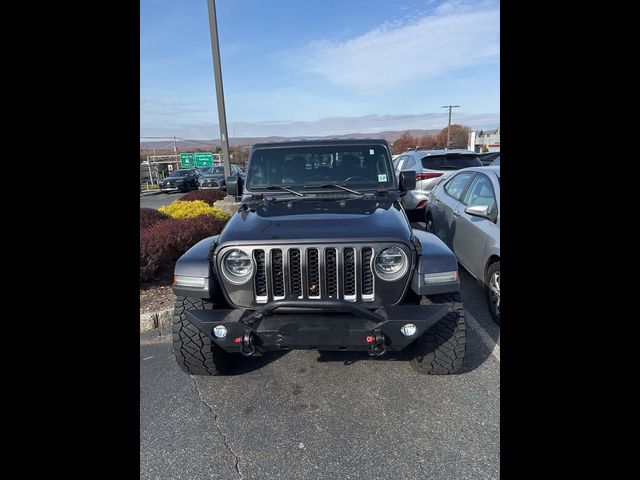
column 164, row 242
column 207, row 196
column 150, row 216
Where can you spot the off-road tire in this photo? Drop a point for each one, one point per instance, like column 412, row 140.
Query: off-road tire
column 195, row 352
column 440, row 350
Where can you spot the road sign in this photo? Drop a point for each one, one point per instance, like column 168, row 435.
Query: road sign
column 186, row 160
column 204, row 159
column 170, row 167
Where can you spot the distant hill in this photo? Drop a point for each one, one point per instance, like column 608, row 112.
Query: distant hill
column 182, row 145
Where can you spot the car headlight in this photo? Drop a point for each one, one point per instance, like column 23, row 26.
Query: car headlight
column 237, row 266
column 391, row 263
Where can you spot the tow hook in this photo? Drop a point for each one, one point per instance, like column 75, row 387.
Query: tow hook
column 377, row 347
column 247, row 347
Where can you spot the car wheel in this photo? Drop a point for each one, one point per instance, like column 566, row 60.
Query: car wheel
column 440, row 350
column 428, row 223
column 195, row 352
column 493, row 291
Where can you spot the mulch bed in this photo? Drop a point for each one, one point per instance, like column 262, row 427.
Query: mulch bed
column 157, row 294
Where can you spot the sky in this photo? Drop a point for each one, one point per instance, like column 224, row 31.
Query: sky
column 319, row 67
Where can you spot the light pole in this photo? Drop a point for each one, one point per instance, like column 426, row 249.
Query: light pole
column 449, row 127
column 217, row 74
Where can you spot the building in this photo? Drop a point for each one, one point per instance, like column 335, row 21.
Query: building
column 482, row 141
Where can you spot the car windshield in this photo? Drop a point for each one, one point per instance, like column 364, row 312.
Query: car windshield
column 179, row 173
column 356, row 166
column 450, row 161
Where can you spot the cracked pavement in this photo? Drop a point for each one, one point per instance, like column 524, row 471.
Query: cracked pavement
column 303, row 415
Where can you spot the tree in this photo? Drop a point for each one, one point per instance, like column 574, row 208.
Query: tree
column 459, row 137
column 404, row 142
column 428, row 142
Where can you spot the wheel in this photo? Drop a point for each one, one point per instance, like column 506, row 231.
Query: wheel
column 440, row 350
column 428, row 223
column 195, row 352
column 493, row 291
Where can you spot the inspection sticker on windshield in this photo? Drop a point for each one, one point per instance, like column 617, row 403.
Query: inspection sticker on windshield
column 371, row 151
column 382, row 177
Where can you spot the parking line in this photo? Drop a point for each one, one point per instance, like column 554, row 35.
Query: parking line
column 486, row 338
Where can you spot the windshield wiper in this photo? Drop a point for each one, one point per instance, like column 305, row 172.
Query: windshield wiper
column 273, row 187
column 329, row 185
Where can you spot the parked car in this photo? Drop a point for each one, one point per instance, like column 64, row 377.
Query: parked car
column 214, row 178
column 496, row 162
column 464, row 211
column 181, row 180
column 431, row 166
column 319, row 255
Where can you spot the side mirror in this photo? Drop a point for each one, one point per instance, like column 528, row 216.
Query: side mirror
column 478, row 211
column 407, row 180
column 232, row 185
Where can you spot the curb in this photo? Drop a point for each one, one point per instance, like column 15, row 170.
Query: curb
column 152, row 320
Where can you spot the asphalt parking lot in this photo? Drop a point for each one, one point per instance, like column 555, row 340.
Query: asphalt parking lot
column 303, row 415
column 157, row 200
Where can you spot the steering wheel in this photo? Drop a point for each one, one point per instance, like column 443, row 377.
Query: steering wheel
column 358, row 176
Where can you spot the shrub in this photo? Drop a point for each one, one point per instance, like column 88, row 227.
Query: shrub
column 149, row 217
column 189, row 209
column 207, row 196
column 163, row 243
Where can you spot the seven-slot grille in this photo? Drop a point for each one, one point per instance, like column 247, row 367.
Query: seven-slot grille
column 314, row 273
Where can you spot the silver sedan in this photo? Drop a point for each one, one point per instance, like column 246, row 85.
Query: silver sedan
column 464, row 211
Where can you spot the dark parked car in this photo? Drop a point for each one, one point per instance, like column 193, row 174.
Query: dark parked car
column 181, row 180
column 319, row 255
column 431, row 166
column 464, row 212
column 213, row 177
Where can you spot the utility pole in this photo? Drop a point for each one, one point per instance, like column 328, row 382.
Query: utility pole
column 449, row 127
column 217, row 74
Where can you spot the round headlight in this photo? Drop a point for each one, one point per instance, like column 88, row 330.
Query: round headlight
column 391, row 263
column 237, row 265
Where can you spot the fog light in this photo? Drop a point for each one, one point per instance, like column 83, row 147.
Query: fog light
column 408, row 329
column 220, row 331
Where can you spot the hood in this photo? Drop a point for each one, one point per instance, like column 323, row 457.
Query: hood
column 350, row 219
column 172, row 179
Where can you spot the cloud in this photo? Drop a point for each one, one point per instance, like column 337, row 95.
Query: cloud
column 456, row 35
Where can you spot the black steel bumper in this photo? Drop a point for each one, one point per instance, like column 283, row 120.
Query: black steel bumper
column 326, row 325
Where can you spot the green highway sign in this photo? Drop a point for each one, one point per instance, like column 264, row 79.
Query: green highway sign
column 186, row 160
column 204, row 159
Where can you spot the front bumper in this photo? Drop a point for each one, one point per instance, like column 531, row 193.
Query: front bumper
column 173, row 188
column 327, row 325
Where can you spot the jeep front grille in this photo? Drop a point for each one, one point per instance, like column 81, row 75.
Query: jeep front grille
column 314, row 273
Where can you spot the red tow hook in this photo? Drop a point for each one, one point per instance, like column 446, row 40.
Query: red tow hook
column 377, row 347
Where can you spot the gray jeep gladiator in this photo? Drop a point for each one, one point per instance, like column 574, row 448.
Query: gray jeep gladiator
column 320, row 255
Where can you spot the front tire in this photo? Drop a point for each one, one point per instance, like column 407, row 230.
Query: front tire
column 493, row 291
column 440, row 350
column 195, row 352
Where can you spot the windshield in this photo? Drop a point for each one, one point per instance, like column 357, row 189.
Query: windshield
column 357, row 166
column 450, row 162
column 179, row 173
